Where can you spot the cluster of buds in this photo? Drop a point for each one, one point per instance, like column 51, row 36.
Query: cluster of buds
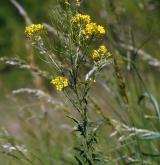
column 68, row 2
column 92, row 29
column 88, row 28
column 100, row 54
column 80, row 19
column 60, row 83
column 35, row 30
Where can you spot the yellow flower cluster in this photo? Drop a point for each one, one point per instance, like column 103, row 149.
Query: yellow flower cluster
column 93, row 29
column 60, row 82
column 90, row 29
column 101, row 54
column 81, row 19
column 101, row 30
column 33, row 29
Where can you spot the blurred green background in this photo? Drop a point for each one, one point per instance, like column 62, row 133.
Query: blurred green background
column 133, row 22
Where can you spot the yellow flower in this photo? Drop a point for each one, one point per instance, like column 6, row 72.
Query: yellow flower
column 81, row 19
column 101, row 30
column 90, row 29
column 101, row 54
column 102, row 49
column 95, row 55
column 93, row 29
column 60, row 82
column 33, row 29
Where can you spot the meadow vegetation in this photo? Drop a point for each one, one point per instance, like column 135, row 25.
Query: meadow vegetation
column 79, row 82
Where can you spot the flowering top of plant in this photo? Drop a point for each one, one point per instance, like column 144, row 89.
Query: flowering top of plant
column 33, row 29
column 60, row 83
column 81, row 19
column 101, row 54
column 93, row 29
column 68, row 2
column 77, row 3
